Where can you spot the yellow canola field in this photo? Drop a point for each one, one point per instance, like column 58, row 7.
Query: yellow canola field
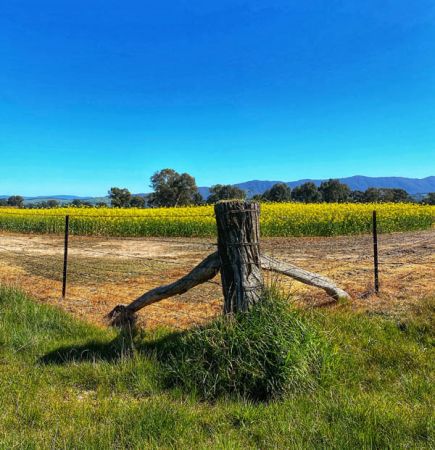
column 277, row 219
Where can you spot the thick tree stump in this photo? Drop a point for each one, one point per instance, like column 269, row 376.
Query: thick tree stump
column 239, row 252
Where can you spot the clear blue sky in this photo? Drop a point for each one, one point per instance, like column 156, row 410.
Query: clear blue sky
column 95, row 94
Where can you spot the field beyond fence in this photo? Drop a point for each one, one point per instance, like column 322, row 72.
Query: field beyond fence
column 277, row 220
column 106, row 271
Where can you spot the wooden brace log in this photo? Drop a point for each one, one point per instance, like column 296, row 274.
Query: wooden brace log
column 310, row 278
column 123, row 315
column 204, row 271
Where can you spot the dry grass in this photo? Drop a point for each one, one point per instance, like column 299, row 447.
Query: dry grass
column 104, row 272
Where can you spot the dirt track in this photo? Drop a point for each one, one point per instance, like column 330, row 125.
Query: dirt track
column 104, row 272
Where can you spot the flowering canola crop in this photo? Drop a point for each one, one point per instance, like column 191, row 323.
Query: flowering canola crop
column 276, row 219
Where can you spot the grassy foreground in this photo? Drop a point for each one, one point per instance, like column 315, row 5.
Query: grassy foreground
column 277, row 219
column 66, row 384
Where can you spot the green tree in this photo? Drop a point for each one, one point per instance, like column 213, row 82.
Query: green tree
column 372, row 195
column 225, row 192
column 3, row 202
column 119, row 198
column 396, row 195
column 376, row 195
column 279, row 192
column 174, row 189
column 37, row 205
column 334, row 192
column 198, row 199
column 357, row 196
column 16, row 200
column 52, row 203
column 77, row 203
column 137, row 201
column 429, row 199
column 306, row 193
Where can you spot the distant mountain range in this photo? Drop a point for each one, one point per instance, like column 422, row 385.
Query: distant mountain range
column 60, row 198
column 414, row 186
column 357, row 183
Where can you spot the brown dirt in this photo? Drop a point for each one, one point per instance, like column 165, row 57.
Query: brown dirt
column 104, row 272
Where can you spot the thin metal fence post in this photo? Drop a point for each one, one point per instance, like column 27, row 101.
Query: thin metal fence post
column 65, row 257
column 375, row 252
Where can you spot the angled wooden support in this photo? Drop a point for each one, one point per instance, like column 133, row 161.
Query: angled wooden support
column 310, row 278
column 239, row 260
column 204, row 271
column 123, row 315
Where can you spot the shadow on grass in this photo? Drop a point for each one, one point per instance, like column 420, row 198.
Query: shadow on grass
column 121, row 347
column 260, row 355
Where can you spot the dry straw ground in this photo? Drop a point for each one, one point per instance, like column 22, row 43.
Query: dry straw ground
column 106, row 271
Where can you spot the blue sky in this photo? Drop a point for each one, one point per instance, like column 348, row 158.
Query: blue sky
column 95, row 94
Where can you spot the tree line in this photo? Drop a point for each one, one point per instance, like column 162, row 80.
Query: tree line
column 172, row 189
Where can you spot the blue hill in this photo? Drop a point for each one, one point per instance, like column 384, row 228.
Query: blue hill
column 358, row 182
column 413, row 186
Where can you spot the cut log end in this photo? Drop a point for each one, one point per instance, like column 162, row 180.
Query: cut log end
column 121, row 317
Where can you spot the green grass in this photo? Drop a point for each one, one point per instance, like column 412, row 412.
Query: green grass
column 260, row 355
column 66, row 384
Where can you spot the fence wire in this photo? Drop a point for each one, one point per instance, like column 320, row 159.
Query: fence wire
column 104, row 271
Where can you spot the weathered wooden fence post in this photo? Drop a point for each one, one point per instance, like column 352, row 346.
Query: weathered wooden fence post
column 375, row 253
column 238, row 230
column 65, row 257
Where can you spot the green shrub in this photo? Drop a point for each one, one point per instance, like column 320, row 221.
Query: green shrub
column 259, row 355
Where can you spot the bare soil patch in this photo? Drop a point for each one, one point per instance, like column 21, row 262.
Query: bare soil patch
column 104, row 272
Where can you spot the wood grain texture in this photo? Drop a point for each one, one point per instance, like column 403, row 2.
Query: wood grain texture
column 310, row 278
column 238, row 230
column 203, row 272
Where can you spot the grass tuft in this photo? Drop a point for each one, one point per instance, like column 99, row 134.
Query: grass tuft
column 259, row 355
